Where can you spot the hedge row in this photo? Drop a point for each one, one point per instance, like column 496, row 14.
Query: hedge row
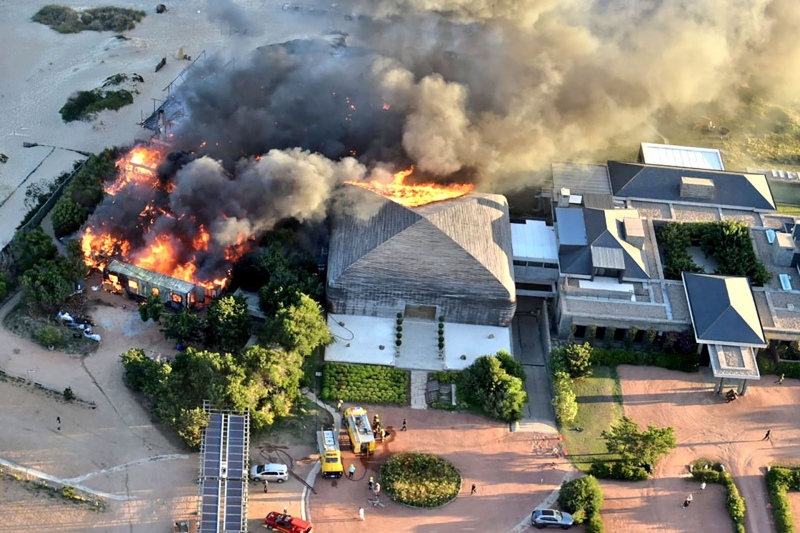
column 703, row 470
column 781, row 480
column 565, row 401
column 685, row 362
column 364, row 383
column 768, row 365
column 583, row 498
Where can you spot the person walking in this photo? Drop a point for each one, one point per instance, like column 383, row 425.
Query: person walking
column 383, row 434
column 285, row 510
column 361, row 514
column 58, row 422
column 474, row 489
column 703, row 485
column 377, row 488
column 767, row 436
column 687, row 501
column 780, row 379
column 339, row 406
column 371, row 482
column 266, row 486
column 405, row 427
column 351, row 471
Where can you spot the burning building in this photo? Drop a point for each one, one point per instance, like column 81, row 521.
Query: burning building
column 449, row 258
column 146, row 244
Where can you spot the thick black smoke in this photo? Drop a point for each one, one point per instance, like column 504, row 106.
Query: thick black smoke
column 488, row 91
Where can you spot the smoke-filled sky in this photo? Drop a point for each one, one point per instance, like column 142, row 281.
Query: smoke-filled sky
column 495, row 88
column 487, row 91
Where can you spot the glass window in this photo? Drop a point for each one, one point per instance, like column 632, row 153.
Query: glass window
column 155, row 291
column 133, row 284
column 177, row 298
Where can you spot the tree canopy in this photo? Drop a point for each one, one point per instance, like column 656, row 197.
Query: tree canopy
column 265, row 381
column 639, row 447
column 493, row 389
column 301, row 327
column 228, row 323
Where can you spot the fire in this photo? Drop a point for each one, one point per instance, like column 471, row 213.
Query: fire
column 138, row 166
column 414, row 195
column 166, row 253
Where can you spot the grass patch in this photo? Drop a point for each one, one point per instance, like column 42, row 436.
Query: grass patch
column 364, row 383
column 33, row 326
column 83, row 105
column 599, row 407
column 300, row 426
column 41, row 487
column 789, row 209
column 420, row 479
column 64, row 19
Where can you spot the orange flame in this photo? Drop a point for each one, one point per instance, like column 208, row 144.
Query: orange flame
column 138, row 166
column 417, row 194
column 99, row 245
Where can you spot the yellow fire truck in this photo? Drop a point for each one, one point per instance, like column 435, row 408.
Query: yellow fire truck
column 329, row 453
column 361, row 436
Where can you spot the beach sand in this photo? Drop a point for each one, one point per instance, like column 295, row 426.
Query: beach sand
column 40, row 69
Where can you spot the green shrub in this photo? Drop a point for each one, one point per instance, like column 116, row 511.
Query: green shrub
column 565, row 401
column 64, row 19
column 591, row 335
column 780, row 481
column 574, row 359
column 443, row 376
column 685, row 362
column 487, row 384
column 364, row 383
column 704, row 470
column 420, row 479
column 69, row 492
column 583, row 493
column 727, row 242
column 67, row 217
column 594, row 524
column 49, row 336
column 68, row 394
column 630, row 336
column 85, row 104
column 768, row 365
column 620, row 470
column 511, row 365
column 609, row 338
column 3, row 286
column 583, row 498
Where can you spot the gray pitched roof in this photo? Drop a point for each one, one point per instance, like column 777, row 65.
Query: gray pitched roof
column 723, row 310
column 467, row 239
column 652, row 182
column 602, row 233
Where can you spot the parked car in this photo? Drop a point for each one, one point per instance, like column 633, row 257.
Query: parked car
column 286, row 523
column 541, row 518
column 270, row 472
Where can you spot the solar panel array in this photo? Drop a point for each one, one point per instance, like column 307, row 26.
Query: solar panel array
column 237, row 477
column 223, row 491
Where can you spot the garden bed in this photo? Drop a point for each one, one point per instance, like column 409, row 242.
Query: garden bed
column 30, row 326
column 704, row 470
column 727, row 243
column 420, row 480
column 780, row 481
column 364, row 383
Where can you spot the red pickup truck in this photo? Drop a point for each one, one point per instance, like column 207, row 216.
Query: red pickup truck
column 286, row 523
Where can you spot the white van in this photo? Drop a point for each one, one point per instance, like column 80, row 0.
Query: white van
column 270, row 472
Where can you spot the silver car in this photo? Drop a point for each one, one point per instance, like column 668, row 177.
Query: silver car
column 541, row 518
